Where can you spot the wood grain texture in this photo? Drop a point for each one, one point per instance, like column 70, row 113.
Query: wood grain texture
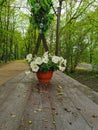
column 13, row 98
column 63, row 104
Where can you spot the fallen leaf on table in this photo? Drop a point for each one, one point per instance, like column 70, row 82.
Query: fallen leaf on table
column 30, row 122
column 45, row 120
column 54, row 122
column 70, row 123
column 39, row 110
column 35, row 111
column 53, row 108
column 54, row 113
column 67, row 110
column 60, row 86
column 94, row 116
column 78, row 109
column 13, row 115
column 60, row 93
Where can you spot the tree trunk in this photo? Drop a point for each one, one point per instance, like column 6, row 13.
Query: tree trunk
column 57, row 27
column 37, row 45
column 7, row 11
column 51, row 40
column 44, row 42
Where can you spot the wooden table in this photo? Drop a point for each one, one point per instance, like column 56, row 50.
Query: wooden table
column 63, row 104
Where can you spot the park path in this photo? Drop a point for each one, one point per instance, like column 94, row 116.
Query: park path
column 10, row 70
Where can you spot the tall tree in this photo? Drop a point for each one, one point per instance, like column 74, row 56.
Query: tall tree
column 58, row 15
column 75, row 30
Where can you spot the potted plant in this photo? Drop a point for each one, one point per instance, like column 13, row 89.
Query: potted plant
column 45, row 65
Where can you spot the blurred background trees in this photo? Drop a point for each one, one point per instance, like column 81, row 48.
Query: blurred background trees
column 70, row 29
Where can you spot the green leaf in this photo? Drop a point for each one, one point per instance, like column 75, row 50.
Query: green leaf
column 60, row 86
column 60, row 93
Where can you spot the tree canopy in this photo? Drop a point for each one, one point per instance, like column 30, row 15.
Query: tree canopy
column 67, row 28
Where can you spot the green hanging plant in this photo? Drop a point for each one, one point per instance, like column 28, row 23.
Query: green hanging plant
column 41, row 17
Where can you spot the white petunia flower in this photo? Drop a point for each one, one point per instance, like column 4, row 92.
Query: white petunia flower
column 65, row 62
column 61, row 59
column 61, row 68
column 34, row 66
column 33, row 63
column 55, row 59
column 38, row 61
column 29, row 57
column 45, row 57
column 45, row 60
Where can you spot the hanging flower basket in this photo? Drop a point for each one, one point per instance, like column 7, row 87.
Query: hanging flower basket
column 44, row 77
column 45, row 65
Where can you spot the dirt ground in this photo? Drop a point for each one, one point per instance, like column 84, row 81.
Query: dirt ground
column 9, row 70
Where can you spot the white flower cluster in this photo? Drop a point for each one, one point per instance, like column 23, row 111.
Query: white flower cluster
column 36, row 62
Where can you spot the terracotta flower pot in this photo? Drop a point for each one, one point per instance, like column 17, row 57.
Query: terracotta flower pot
column 44, row 77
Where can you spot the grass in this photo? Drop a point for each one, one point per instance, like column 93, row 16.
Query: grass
column 86, row 77
column 3, row 63
column 20, row 61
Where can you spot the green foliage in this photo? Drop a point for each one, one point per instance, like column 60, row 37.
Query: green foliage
column 95, row 59
column 50, row 66
column 78, row 32
column 46, row 62
column 40, row 14
column 78, row 37
column 11, row 39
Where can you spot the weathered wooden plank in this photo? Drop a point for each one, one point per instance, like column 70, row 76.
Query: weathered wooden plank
column 68, row 116
column 75, row 84
column 88, row 109
column 5, row 91
column 7, row 88
column 18, row 77
column 28, row 78
column 13, row 107
column 46, row 108
column 38, row 111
